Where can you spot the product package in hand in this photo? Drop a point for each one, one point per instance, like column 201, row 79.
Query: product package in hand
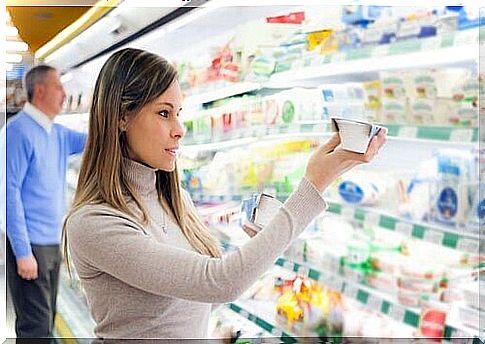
column 260, row 209
column 355, row 135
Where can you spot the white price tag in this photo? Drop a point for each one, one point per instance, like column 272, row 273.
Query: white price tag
column 351, row 291
column 294, row 128
column 404, row 228
column 273, row 130
column 433, row 236
column 288, row 265
column 468, row 245
column 347, row 212
column 372, row 219
column 380, row 50
column 408, row 132
column 461, row 135
column 298, row 64
column 466, row 37
column 397, row 312
column 432, row 43
column 334, row 283
column 316, row 61
column 302, row 270
column 337, row 57
column 354, row 275
column 244, row 313
column 374, row 303
column 276, row 332
column 333, row 263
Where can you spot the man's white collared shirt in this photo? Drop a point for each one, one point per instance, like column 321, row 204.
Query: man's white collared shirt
column 38, row 116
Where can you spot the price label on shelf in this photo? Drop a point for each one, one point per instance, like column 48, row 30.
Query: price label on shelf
column 434, row 237
column 302, row 270
column 333, row 263
column 372, row 219
column 380, row 50
column 332, row 283
column 317, row 61
column 468, row 245
column 294, row 128
column 404, row 228
column 337, row 57
column 374, row 303
column 408, row 132
column 466, row 37
column 397, row 312
column 276, row 332
column 351, row 291
column 432, row 43
column 244, row 313
column 298, row 64
column 347, row 212
column 288, row 265
column 461, row 135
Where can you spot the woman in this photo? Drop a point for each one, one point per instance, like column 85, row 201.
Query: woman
column 149, row 267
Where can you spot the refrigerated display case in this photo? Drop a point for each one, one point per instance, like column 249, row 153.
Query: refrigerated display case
column 397, row 253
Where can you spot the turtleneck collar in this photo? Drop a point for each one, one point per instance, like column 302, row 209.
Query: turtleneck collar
column 141, row 177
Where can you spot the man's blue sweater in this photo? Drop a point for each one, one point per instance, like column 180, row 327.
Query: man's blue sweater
column 35, row 181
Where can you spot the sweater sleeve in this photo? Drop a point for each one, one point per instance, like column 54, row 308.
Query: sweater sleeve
column 19, row 151
column 108, row 241
column 75, row 140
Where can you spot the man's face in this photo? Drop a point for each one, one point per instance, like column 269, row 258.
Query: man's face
column 50, row 94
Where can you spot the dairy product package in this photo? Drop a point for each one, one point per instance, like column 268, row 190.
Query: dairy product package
column 260, row 209
column 295, row 105
column 357, row 189
column 395, row 111
column 355, row 135
column 422, row 111
column 451, row 200
column 395, row 85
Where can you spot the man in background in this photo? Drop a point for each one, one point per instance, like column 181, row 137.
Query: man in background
column 37, row 152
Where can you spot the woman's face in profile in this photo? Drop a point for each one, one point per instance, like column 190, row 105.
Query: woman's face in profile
column 153, row 135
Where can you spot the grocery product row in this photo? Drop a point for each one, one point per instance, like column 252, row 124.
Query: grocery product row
column 385, row 272
column 282, row 53
column 442, row 190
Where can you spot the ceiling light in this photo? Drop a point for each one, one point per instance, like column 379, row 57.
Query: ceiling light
column 11, row 31
column 13, row 58
column 16, row 46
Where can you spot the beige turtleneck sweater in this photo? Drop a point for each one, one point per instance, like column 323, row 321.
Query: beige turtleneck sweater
column 144, row 282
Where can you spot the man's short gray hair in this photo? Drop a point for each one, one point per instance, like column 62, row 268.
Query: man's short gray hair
column 33, row 77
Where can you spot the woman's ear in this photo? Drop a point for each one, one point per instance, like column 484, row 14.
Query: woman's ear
column 123, row 123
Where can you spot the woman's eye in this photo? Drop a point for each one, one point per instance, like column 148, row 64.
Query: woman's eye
column 163, row 113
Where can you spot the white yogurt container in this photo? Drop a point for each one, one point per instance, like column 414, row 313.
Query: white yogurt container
column 354, row 135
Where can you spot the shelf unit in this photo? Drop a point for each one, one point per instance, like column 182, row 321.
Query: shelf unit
column 449, row 50
column 429, row 232
column 267, row 133
column 371, row 299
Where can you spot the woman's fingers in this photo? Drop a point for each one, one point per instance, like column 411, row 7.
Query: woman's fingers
column 249, row 231
column 331, row 144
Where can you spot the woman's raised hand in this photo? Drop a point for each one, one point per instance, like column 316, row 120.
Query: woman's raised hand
column 330, row 161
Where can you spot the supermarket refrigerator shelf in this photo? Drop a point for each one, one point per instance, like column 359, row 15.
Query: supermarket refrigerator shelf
column 261, row 316
column 453, row 49
column 372, row 299
column 458, row 49
column 400, row 132
column 432, row 233
column 429, row 232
